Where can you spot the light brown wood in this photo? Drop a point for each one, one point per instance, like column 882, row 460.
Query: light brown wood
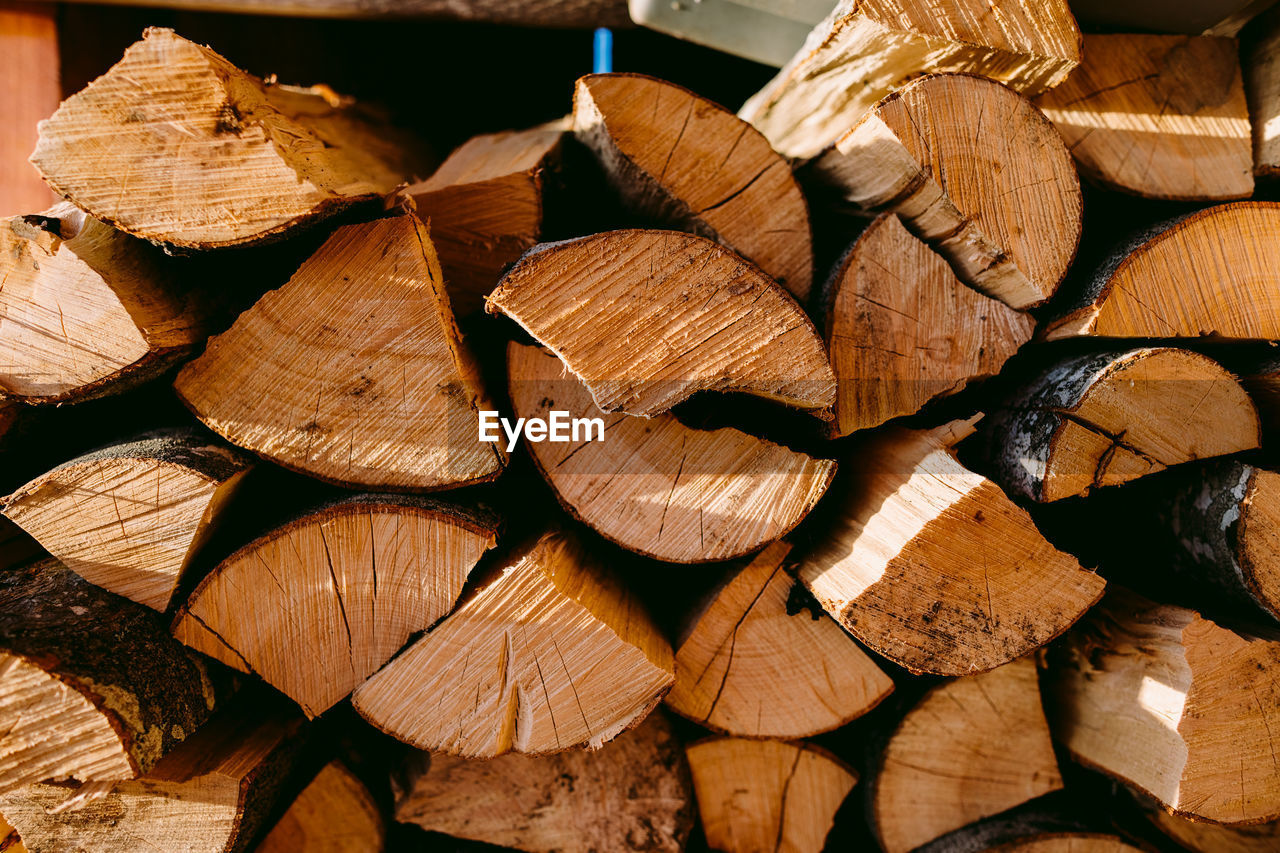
column 932, row 566
column 1110, row 417
column 903, row 330
column 727, row 493
column 971, row 748
column 1210, row 838
column 749, row 666
column 316, row 606
column 977, row 172
column 335, row 813
column 1213, row 272
column 867, row 48
column 210, row 795
column 757, row 795
column 82, row 701
column 484, row 206
column 131, row 516
column 636, row 794
column 550, row 653
column 1262, row 85
column 647, row 318
column 10, row 841
column 176, row 145
column 29, row 66
column 679, row 157
column 86, row 310
column 1069, row 843
column 1173, row 704
column 354, row 372
column 1158, row 116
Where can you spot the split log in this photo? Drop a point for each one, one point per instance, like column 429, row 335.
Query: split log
column 767, row 794
column 485, row 208
column 360, row 318
column 352, row 581
column 29, row 67
column 867, row 48
column 1173, row 704
column 680, row 158
column 334, row 814
column 1106, row 418
column 1213, row 272
column 749, row 665
column 1034, row 830
column 1262, row 72
column 1159, row 116
column 217, row 156
column 210, row 795
column 564, row 657
column 86, row 310
column 1210, row 838
column 971, row 748
column 932, row 566
column 902, row 330
column 93, row 687
column 977, row 172
column 130, row 516
column 728, row 493
column 647, row 318
column 635, row 795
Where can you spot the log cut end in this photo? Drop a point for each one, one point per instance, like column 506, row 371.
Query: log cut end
column 335, row 813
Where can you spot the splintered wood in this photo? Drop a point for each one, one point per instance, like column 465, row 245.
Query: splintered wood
column 647, row 318
column 728, row 493
column 551, row 652
column 349, row 584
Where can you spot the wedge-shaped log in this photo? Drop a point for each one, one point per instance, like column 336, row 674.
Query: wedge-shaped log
column 317, row 605
column 130, row 516
column 212, row 794
column 485, row 208
column 975, row 170
column 335, row 812
column 93, row 688
column 637, row 794
column 1213, row 272
column 767, row 794
column 934, row 567
column 647, row 318
column 550, row 653
column 85, row 310
column 971, row 748
column 867, row 48
column 728, row 493
column 1262, row 83
column 749, row 665
column 677, row 156
column 1110, row 417
column 354, row 372
column 1173, row 704
column 903, row 330
column 1158, row 116
column 178, row 146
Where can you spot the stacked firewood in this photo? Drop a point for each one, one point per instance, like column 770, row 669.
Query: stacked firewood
column 951, row 529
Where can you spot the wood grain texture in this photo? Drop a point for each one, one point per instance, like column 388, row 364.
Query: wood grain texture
column 200, row 154
column 354, row 372
column 350, row 583
column 727, row 493
column 976, row 171
column 867, row 48
column 1210, row 838
column 647, row 318
column 902, row 330
column 29, row 66
column 1159, row 116
column 1262, row 83
column 335, row 813
column 1171, row 703
column 932, row 566
column 637, row 794
column 1212, row 272
column 766, row 794
column 550, row 653
column 679, row 157
column 750, row 666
